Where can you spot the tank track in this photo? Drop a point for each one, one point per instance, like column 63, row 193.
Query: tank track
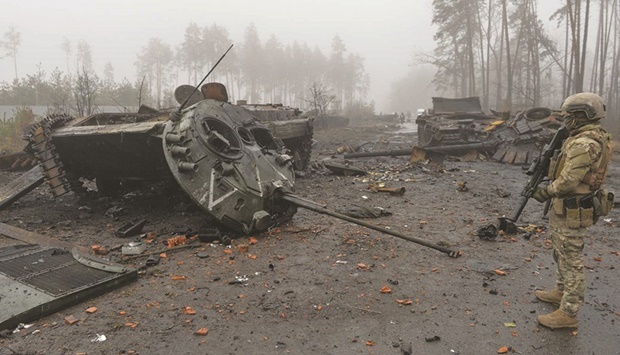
column 40, row 144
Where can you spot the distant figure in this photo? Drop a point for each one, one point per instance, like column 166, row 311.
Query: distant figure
column 402, row 118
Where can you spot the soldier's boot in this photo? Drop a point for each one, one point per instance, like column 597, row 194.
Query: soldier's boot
column 557, row 320
column 554, row 296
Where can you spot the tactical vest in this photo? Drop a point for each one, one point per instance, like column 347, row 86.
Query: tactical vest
column 595, row 176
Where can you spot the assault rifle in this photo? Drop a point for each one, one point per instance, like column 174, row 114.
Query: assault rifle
column 537, row 172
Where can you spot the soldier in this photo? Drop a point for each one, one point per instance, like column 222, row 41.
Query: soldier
column 577, row 174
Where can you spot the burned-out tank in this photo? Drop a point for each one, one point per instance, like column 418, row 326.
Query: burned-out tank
column 288, row 124
column 221, row 156
column 522, row 136
column 225, row 159
column 460, row 125
column 454, row 122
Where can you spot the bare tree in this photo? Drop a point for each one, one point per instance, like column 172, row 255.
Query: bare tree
column 251, row 60
column 11, row 43
column 322, row 98
column 192, row 53
column 65, row 46
column 155, row 62
column 508, row 102
column 84, row 56
column 85, row 90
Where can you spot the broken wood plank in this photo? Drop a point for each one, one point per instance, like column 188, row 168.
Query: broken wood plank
column 17, row 188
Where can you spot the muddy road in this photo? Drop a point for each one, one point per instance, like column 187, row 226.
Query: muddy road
column 319, row 285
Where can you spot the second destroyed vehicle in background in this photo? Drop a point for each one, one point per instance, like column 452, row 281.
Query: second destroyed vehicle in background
column 459, row 126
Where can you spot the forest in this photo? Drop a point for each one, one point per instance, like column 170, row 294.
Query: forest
column 258, row 72
column 503, row 52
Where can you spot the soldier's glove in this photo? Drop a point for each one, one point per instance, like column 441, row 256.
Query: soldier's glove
column 541, row 194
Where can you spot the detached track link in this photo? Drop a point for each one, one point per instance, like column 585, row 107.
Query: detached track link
column 40, row 137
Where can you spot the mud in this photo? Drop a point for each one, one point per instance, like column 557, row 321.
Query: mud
column 314, row 285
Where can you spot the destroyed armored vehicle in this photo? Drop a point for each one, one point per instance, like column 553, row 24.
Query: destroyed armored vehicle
column 453, row 122
column 225, row 159
column 455, row 126
column 522, row 137
column 221, row 156
column 288, row 124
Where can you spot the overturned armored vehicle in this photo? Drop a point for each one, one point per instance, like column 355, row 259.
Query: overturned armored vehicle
column 226, row 160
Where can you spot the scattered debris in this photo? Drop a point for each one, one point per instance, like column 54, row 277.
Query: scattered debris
column 342, row 169
column 133, row 248
column 115, row 211
column 357, row 211
column 19, row 161
column 385, row 289
column 77, row 276
column 350, row 149
column 153, row 260
column 462, row 186
column 433, row 338
column 210, row 235
column 487, row 233
column 503, row 350
column 98, row 338
column 239, row 280
column 17, row 188
column 202, row 331
column 380, row 187
column 176, row 241
column 131, row 228
column 71, row 319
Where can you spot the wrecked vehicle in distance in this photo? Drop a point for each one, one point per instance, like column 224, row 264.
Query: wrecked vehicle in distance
column 460, row 126
column 291, row 125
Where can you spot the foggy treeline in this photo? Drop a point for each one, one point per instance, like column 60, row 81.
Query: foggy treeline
column 500, row 50
column 505, row 53
column 255, row 70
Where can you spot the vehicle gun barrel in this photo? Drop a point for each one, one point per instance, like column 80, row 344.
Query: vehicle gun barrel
column 448, row 149
column 313, row 206
column 383, row 153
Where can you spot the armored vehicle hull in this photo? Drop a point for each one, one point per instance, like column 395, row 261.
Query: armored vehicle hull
column 226, row 160
column 453, row 122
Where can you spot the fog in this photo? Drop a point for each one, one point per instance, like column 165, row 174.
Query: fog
column 385, row 33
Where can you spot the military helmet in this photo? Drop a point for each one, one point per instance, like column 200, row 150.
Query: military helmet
column 585, row 105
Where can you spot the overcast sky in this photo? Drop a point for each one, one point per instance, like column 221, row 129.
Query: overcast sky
column 385, row 32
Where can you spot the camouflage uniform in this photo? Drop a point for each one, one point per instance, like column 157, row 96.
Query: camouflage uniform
column 577, row 175
column 572, row 174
